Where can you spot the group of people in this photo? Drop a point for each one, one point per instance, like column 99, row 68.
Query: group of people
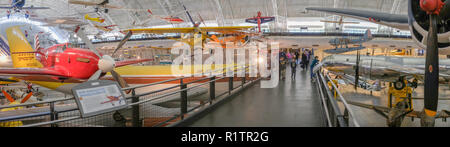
column 293, row 58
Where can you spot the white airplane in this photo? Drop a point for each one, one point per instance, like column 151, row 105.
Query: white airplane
column 103, row 4
column 51, row 21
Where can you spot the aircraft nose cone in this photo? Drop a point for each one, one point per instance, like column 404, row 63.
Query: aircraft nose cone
column 106, row 64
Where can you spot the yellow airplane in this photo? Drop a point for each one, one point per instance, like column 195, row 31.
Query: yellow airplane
column 98, row 19
column 196, row 29
column 199, row 30
column 398, row 52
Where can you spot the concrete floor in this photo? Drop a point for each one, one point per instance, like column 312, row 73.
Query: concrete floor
column 291, row 104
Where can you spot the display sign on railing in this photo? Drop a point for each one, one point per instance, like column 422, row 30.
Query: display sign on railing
column 97, row 97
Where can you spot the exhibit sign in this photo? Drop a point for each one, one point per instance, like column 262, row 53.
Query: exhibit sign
column 97, row 97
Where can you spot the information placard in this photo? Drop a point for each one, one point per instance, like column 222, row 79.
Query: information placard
column 96, row 97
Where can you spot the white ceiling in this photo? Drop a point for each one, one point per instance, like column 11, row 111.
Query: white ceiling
column 232, row 11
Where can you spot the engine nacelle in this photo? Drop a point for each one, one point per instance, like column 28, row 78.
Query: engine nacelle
column 419, row 24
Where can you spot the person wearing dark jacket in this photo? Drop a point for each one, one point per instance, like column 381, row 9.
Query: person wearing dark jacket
column 304, row 58
column 297, row 56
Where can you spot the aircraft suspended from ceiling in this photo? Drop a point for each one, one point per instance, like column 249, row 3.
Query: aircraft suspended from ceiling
column 168, row 19
column 196, row 29
column 259, row 20
column 340, row 22
column 345, row 41
column 101, row 5
column 18, row 5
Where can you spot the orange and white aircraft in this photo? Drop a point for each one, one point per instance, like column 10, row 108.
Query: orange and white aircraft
column 196, row 29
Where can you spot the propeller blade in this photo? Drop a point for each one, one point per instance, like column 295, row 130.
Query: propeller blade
column 80, row 33
column 9, row 97
column 431, row 75
column 189, row 15
column 120, row 80
column 445, row 11
column 27, row 97
column 96, row 75
column 124, row 40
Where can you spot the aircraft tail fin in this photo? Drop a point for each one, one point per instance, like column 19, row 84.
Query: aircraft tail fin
column 23, row 56
column 368, row 35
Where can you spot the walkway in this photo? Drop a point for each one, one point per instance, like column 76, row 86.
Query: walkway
column 291, row 104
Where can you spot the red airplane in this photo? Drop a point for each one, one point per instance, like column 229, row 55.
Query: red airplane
column 259, row 20
column 172, row 19
column 112, row 99
column 61, row 64
column 169, row 19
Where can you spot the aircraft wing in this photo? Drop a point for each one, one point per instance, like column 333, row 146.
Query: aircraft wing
column 130, row 62
column 444, row 114
column 76, row 2
column 5, row 7
column 441, row 114
column 162, row 30
column 30, row 72
column 392, row 20
column 189, row 30
column 54, row 21
column 35, row 8
column 113, row 7
column 412, row 71
column 82, row 3
column 368, row 106
column 226, row 30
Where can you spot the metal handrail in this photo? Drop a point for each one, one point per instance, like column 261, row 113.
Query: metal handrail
column 324, row 103
column 224, row 70
column 346, row 105
column 36, row 103
column 322, row 83
column 339, row 119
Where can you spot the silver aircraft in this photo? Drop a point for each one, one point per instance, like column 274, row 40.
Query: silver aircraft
column 385, row 68
column 389, row 69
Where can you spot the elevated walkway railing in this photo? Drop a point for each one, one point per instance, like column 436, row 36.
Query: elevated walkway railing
column 142, row 111
column 330, row 95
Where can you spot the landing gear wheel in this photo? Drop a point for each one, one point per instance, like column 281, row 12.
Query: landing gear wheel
column 96, row 9
column 399, row 85
column 414, row 83
column 118, row 117
column 106, row 10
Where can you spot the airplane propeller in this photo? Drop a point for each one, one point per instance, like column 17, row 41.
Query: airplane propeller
column 432, row 7
column 106, row 63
